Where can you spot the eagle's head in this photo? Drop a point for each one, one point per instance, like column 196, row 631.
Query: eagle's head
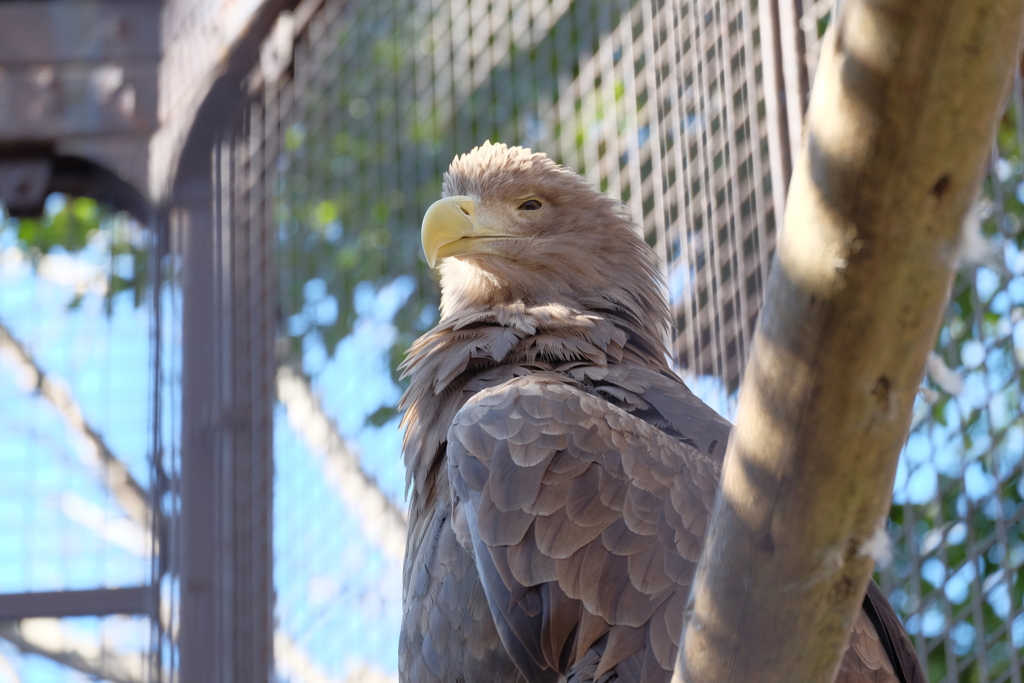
column 512, row 225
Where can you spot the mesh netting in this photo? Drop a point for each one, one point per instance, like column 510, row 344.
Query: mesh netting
column 663, row 105
column 380, row 97
column 958, row 514
column 76, row 412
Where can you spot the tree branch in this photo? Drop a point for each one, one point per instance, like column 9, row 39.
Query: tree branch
column 115, row 475
column 48, row 638
column 7, row 672
column 382, row 522
column 900, row 124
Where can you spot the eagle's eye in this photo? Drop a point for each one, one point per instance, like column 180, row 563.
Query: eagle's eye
column 530, row 205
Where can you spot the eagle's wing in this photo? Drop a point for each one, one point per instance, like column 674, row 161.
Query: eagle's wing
column 878, row 636
column 586, row 523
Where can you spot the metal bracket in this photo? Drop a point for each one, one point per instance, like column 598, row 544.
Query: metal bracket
column 24, row 184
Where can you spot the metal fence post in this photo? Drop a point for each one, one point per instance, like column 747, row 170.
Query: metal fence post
column 226, row 612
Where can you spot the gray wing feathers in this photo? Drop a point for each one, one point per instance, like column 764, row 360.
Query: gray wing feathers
column 880, row 649
column 587, row 524
column 871, row 664
column 448, row 632
column 575, row 528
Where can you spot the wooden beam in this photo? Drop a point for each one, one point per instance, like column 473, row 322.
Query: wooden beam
column 96, row 31
column 79, row 78
column 48, row 638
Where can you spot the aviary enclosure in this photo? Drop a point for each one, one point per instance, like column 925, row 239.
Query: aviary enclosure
column 210, row 269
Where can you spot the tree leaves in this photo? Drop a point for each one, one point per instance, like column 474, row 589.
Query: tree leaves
column 83, row 227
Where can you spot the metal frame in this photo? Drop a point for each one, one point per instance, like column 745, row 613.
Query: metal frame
column 81, row 83
column 225, row 536
column 99, row 602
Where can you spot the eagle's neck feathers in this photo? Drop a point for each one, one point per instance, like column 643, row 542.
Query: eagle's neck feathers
column 471, row 349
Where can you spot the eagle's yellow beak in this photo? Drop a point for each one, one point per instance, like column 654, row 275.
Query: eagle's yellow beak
column 450, row 228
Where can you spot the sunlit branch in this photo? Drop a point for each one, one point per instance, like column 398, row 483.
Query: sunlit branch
column 48, row 637
column 114, row 474
column 7, row 672
column 382, row 522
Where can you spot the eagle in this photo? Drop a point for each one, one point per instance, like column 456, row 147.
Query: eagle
column 562, row 475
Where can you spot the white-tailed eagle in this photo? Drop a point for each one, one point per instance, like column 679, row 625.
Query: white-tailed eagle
column 562, row 475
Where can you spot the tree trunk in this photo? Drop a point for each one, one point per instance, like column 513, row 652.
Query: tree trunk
column 900, row 123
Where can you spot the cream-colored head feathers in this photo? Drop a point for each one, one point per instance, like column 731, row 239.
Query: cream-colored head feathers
column 540, row 233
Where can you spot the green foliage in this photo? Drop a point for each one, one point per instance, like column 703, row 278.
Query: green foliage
column 958, row 523
column 78, row 224
column 382, row 415
column 70, row 228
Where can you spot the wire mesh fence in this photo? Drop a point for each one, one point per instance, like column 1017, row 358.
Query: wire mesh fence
column 379, row 98
column 958, row 578
column 76, row 344
column 317, row 287
column 662, row 105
